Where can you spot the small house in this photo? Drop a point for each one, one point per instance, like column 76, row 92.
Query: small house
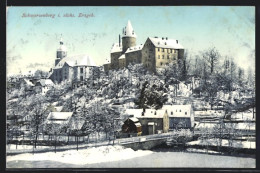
column 57, row 121
column 43, row 85
column 131, row 127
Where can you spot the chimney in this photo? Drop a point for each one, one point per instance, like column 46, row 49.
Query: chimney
column 119, row 40
column 177, row 41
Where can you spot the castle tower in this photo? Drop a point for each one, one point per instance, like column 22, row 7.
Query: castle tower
column 61, row 52
column 128, row 37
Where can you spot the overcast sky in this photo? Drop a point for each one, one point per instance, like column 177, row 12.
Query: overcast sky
column 32, row 41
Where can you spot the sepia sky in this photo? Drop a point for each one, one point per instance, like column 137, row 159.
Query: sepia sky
column 32, row 41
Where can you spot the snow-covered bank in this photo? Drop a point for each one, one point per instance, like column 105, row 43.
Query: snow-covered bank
column 83, row 156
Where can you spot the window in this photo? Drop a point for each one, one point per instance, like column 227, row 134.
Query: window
column 185, row 113
column 162, row 56
column 81, row 78
column 158, row 49
column 171, row 113
column 81, row 70
column 158, row 56
column 161, row 63
column 168, row 57
column 162, row 49
column 175, row 51
column 171, row 50
column 180, row 110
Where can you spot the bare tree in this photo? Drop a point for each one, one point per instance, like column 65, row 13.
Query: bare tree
column 211, row 57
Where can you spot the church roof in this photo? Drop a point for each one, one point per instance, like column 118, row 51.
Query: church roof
column 78, row 60
column 128, row 31
column 135, row 48
column 116, row 48
column 165, row 43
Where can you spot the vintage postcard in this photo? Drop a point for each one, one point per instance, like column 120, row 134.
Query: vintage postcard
column 130, row 87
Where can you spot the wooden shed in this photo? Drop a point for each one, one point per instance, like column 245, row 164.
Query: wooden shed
column 132, row 127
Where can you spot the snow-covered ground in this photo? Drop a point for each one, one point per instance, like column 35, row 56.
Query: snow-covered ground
column 84, row 156
column 236, row 144
column 119, row 157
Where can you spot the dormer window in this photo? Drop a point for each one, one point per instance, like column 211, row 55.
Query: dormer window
column 185, row 113
column 171, row 113
column 180, row 110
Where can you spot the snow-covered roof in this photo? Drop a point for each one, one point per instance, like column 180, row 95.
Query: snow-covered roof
column 116, row 48
column 134, row 112
column 59, row 116
column 122, row 56
column 135, row 48
column 134, row 119
column 128, row 31
column 178, row 110
column 28, row 82
column 78, row 60
column 165, row 43
column 58, row 108
column 138, row 124
column 45, row 82
column 153, row 113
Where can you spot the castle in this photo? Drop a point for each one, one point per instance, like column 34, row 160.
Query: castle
column 153, row 54
column 74, row 69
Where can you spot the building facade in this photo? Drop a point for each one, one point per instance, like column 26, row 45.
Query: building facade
column 72, row 68
column 155, row 53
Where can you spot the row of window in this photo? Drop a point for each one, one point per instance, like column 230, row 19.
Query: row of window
column 168, row 57
column 166, row 50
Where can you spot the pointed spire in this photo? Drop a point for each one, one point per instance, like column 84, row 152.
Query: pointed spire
column 128, row 31
column 61, row 42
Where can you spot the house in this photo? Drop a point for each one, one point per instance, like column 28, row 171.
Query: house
column 26, row 84
column 43, row 85
column 180, row 116
column 57, row 122
column 131, row 127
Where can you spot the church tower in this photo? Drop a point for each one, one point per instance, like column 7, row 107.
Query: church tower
column 128, row 37
column 61, row 52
